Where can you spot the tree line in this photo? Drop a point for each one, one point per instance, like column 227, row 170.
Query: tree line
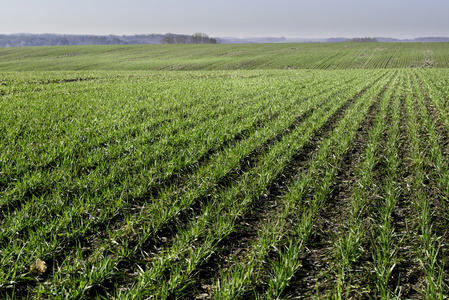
column 197, row 38
column 361, row 40
column 23, row 40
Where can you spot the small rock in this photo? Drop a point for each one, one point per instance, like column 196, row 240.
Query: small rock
column 39, row 267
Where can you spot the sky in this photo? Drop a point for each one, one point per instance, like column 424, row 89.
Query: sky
column 229, row 18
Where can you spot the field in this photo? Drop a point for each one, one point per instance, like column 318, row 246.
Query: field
column 277, row 171
column 333, row 56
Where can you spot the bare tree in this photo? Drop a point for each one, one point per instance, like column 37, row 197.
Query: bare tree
column 181, row 39
column 200, row 38
column 168, row 40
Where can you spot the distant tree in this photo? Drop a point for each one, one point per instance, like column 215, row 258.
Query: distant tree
column 200, row 38
column 361, row 40
column 168, row 40
column 181, row 39
column 197, row 38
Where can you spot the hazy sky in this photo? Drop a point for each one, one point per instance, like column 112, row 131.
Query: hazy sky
column 225, row 18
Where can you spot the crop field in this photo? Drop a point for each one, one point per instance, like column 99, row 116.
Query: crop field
column 263, row 183
column 332, row 56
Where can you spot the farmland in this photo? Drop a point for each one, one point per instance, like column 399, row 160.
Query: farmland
column 224, row 171
column 333, row 56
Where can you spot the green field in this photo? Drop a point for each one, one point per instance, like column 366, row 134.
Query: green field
column 257, row 171
column 331, row 56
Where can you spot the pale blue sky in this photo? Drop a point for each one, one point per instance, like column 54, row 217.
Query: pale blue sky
column 221, row 18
